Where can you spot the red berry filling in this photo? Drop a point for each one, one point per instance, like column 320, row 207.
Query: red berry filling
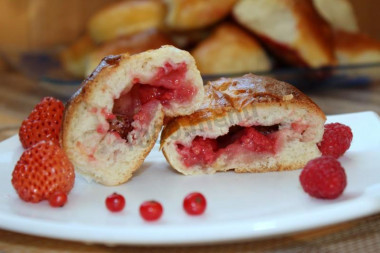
column 167, row 86
column 204, row 151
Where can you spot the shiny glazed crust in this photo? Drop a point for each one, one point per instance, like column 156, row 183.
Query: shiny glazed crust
column 292, row 29
column 101, row 155
column 245, row 100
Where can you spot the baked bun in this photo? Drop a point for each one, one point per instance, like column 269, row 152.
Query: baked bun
column 195, row 14
column 131, row 44
column 113, row 121
column 246, row 124
column 74, row 57
column 230, row 50
column 339, row 13
column 125, row 18
column 356, row 48
column 292, row 29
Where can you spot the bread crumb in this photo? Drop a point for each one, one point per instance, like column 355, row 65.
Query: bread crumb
column 287, row 97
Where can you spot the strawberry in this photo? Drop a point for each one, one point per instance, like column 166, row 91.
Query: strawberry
column 42, row 171
column 43, row 123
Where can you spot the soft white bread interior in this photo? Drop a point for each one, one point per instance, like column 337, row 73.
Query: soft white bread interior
column 292, row 29
column 94, row 136
column 286, row 116
column 339, row 13
column 230, row 49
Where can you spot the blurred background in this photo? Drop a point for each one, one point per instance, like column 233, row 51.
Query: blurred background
column 328, row 48
column 63, row 41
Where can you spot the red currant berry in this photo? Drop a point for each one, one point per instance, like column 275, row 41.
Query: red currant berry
column 58, row 199
column 115, row 202
column 151, row 210
column 194, row 203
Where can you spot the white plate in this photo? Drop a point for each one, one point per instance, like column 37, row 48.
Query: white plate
column 240, row 206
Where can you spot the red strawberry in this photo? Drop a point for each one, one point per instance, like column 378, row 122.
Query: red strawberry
column 43, row 123
column 42, row 171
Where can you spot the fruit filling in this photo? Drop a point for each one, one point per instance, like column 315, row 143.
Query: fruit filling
column 204, row 151
column 136, row 107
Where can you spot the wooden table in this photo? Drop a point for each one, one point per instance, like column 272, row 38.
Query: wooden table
column 18, row 95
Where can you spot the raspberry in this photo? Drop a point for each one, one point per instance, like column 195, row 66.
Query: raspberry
column 324, row 178
column 336, row 140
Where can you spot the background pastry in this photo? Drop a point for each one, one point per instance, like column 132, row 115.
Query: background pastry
column 292, row 30
column 230, row 49
column 195, row 14
column 131, row 44
column 339, row 13
column 356, row 48
column 125, row 18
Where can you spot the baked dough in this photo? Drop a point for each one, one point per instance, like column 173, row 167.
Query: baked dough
column 246, row 124
column 131, row 44
column 339, row 13
column 356, row 48
column 111, row 123
column 195, row 14
column 230, row 50
column 126, row 18
column 291, row 29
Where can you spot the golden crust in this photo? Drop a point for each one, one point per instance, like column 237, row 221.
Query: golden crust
column 314, row 28
column 234, row 94
column 230, row 49
column 194, row 14
column 125, row 18
column 355, row 43
column 277, row 167
column 313, row 46
column 131, row 44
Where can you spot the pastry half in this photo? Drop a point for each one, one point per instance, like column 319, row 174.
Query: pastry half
column 113, row 121
column 246, row 124
column 291, row 29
